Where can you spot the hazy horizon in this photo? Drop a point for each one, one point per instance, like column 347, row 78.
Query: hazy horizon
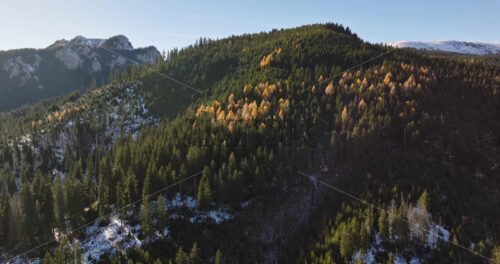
column 175, row 25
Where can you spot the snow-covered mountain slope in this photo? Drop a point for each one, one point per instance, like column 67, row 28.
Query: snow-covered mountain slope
column 28, row 75
column 463, row 47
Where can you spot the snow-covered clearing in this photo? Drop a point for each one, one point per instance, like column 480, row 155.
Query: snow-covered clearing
column 119, row 235
column 114, row 237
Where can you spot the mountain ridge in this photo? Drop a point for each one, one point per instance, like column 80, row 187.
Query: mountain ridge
column 462, row 47
column 28, row 75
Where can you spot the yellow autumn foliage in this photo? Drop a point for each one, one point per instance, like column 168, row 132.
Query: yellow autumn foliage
column 263, row 108
column 230, row 116
column 361, row 104
column 247, row 89
column 345, row 114
column 329, row 89
column 266, row 60
column 221, row 116
column 388, row 78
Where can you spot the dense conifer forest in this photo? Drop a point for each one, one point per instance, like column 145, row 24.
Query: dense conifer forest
column 274, row 129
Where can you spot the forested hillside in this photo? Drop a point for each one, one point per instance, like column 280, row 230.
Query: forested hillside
column 248, row 155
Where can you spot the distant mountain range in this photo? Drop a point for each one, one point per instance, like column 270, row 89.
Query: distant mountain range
column 29, row 75
column 462, row 47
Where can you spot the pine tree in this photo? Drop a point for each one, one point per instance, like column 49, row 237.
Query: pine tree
column 423, row 200
column 29, row 216
column 63, row 252
column 45, row 204
column 77, row 254
column 390, row 260
column 15, row 219
column 147, row 229
column 392, row 218
column 161, row 216
column 383, row 225
column 218, row 257
column 131, row 192
column 194, row 158
column 359, row 258
column 121, row 199
column 495, row 255
column 181, row 257
column 48, row 259
column 4, row 217
column 68, row 158
column 194, row 255
column 59, row 203
column 75, row 197
column 204, row 193
column 103, row 192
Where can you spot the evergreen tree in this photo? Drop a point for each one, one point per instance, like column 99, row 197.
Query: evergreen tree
column 181, row 257
column 75, row 198
column 68, row 159
column 48, row 259
column 29, row 216
column 204, row 193
column 161, row 216
column 218, row 257
column 45, row 204
column 63, row 254
column 131, row 193
column 15, row 219
column 4, row 217
column 59, row 203
column 104, row 188
column 423, row 201
column 383, row 225
column 359, row 257
column 121, row 199
column 146, row 209
column 495, row 255
column 77, row 254
column 194, row 255
column 390, row 260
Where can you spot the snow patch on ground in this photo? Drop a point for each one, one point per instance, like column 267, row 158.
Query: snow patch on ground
column 218, row 216
column 245, row 204
column 437, row 233
column 117, row 236
column 19, row 260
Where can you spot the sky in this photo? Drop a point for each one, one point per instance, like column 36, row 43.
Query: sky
column 177, row 23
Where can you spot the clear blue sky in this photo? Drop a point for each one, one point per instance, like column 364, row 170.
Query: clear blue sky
column 177, row 23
